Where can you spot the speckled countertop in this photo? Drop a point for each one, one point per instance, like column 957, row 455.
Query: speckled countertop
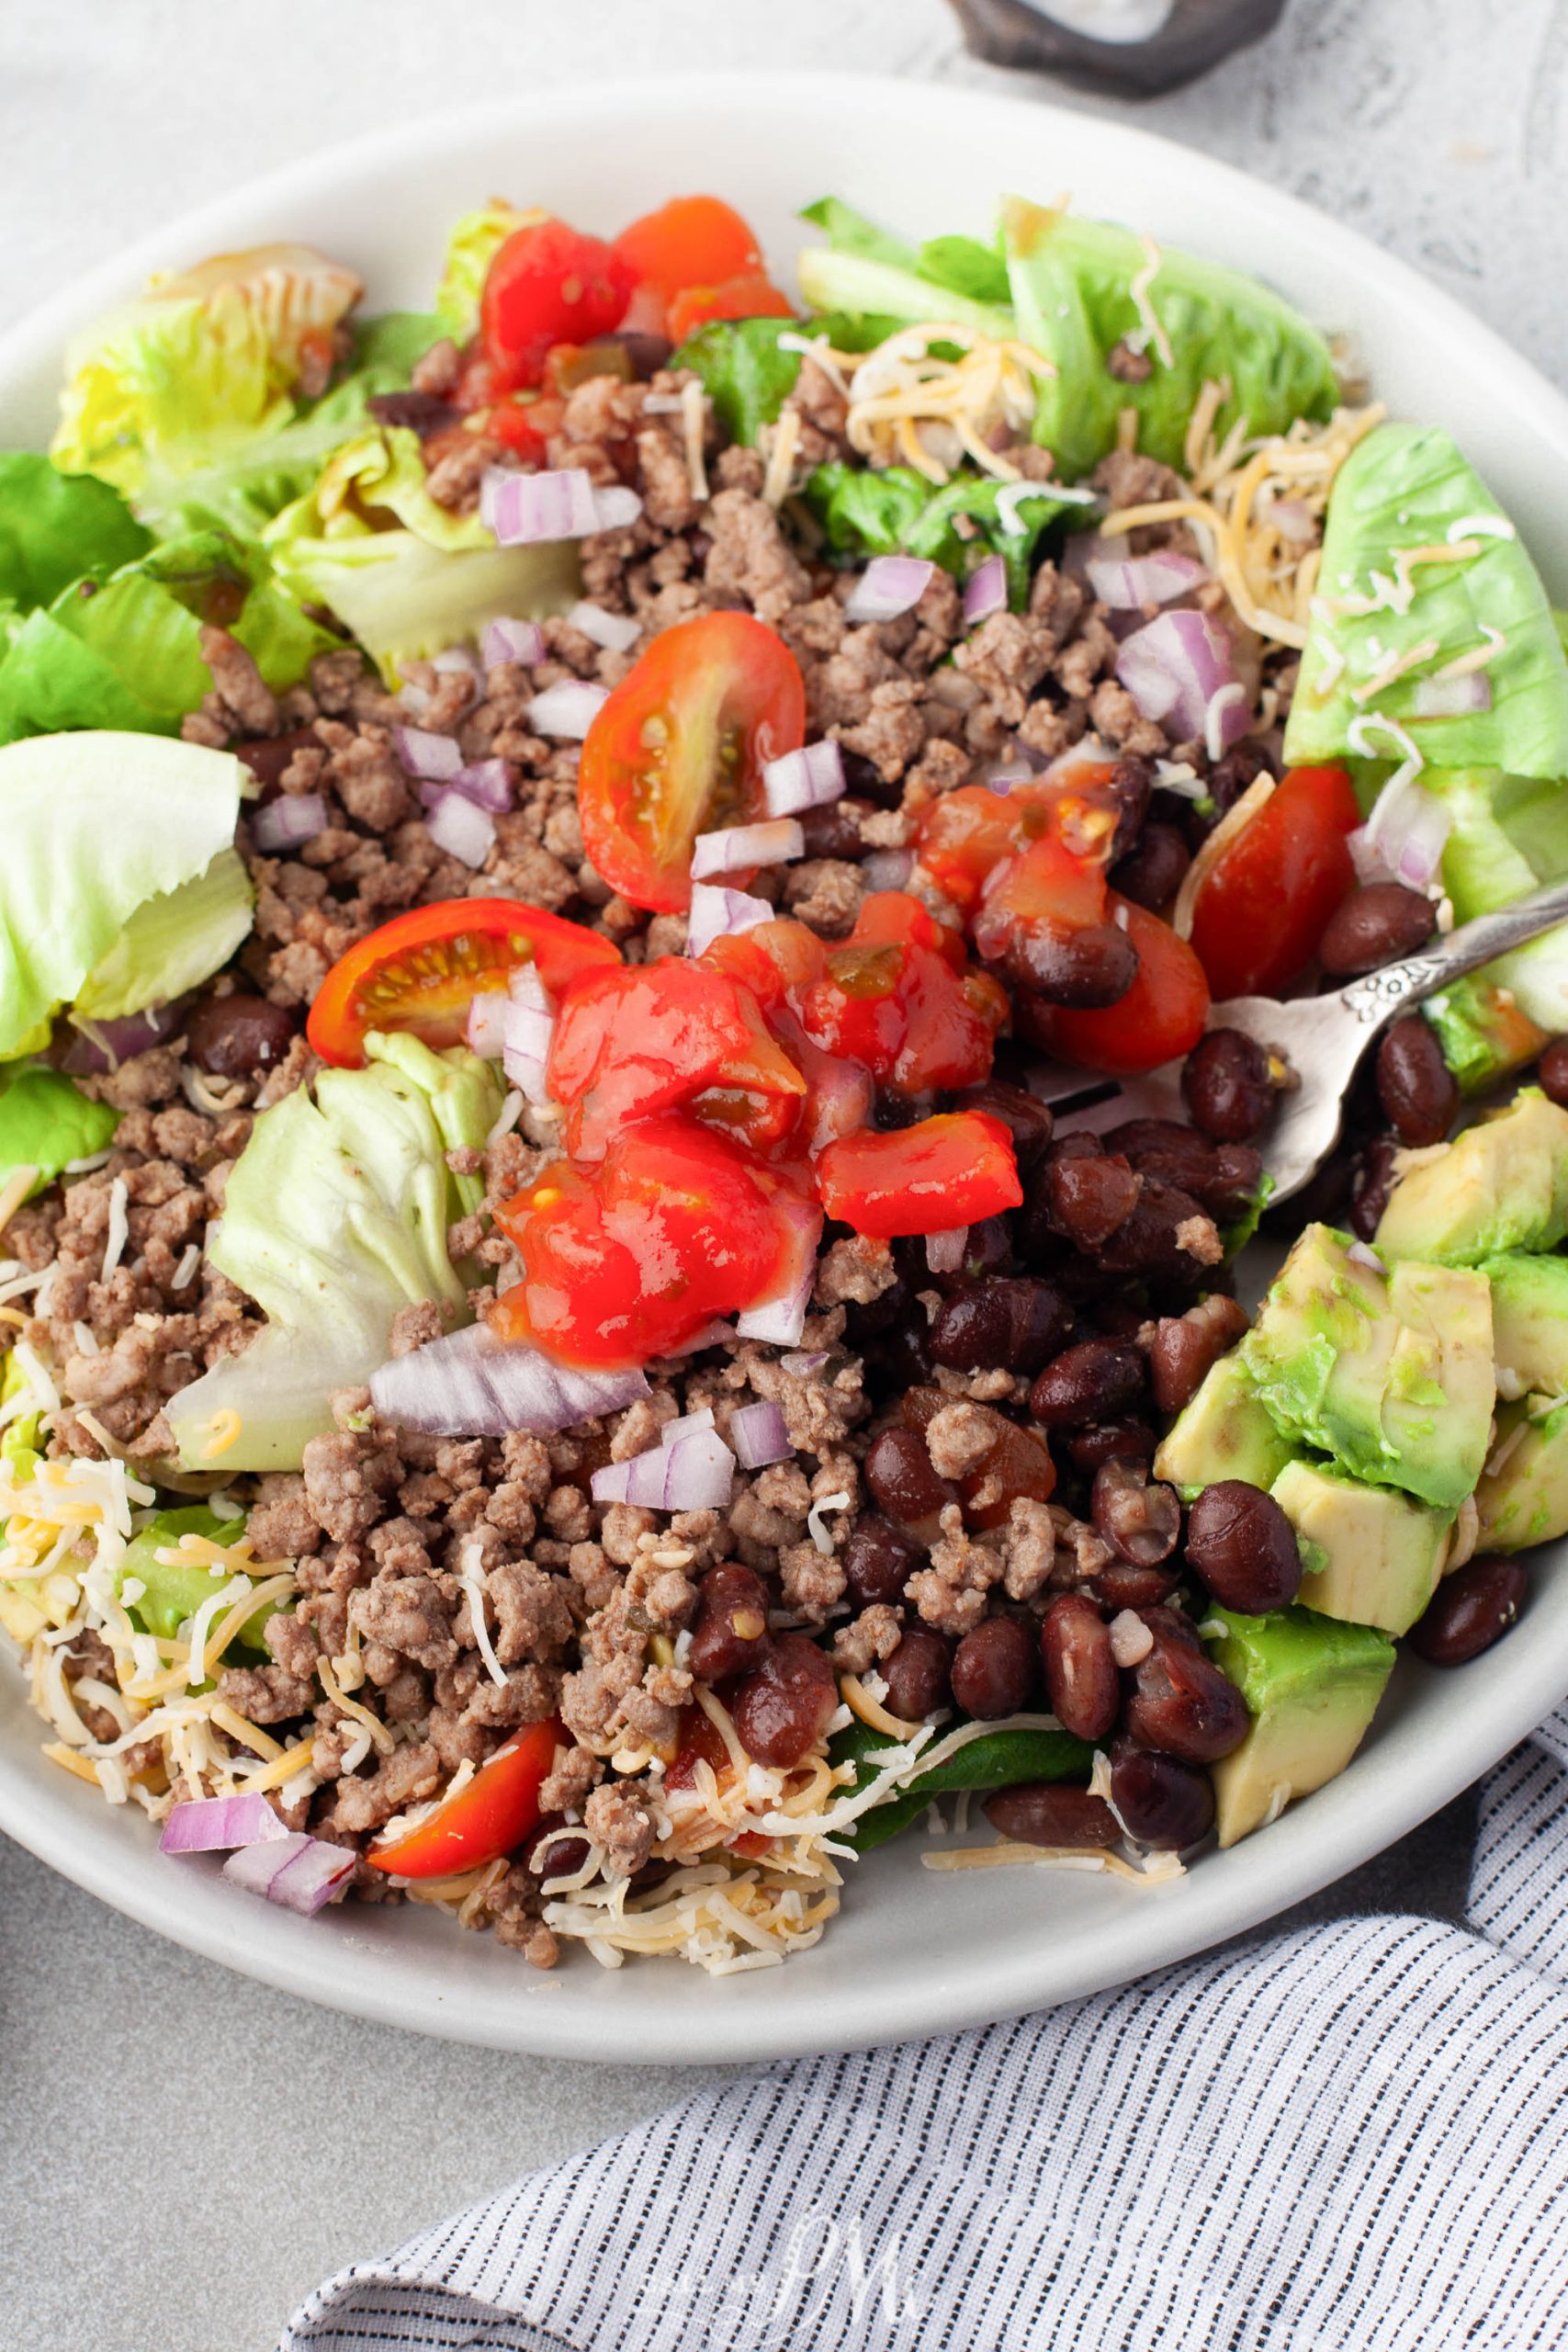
column 143, row 2090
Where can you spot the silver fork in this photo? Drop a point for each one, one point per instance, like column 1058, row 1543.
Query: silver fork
column 1322, row 1038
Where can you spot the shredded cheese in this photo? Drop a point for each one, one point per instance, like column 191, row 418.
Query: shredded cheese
column 15, row 1191
column 379, row 1732
column 223, row 1431
column 870, row 1710
column 1139, row 287
column 908, row 404
column 119, row 1229
column 783, row 443
column 693, row 421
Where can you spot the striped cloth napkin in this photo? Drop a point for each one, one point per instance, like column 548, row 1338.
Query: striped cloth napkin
column 1350, row 2136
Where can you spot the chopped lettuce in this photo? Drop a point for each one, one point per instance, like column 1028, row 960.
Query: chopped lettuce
column 55, row 526
column 897, row 512
column 172, row 942
column 850, row 232
column 743, row 371
column 335, row 1216
column 1510, row 834
column 1085, row 289
column 997, row 1760
column 1408, row 487
column 475, row 240
column 1484, row 865
column 46, row 1122
column 865, row 289
column 201, row 363
column 173, row 1591
column 97, row 824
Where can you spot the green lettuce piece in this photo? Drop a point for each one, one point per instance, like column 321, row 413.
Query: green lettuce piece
column 896, row 512
column 976, row 271
column 46, row 1122
column 475, row 240
column 385, row 349
column 997, row 1759
column 203, row 363
column 1495, row 1020
column 1408, row 486
column 18, row 1438
column 335, row 1216
column 54, row 527
column 1074, row 293
column 97, row 824
column 863, row 287
column 743, row 371
column 175, row 1589
column 848, row 231
column 172, row 942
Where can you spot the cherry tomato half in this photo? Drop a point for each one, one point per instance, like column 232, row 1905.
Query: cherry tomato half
column 1161, row 1015
column 422, row 970
column 1045, row 885
column 675, row 1227
column 691, row 241
column 491, row 1815
column 1262, row 910
column 679, row 749
column 953, row 1169
column 546, row 285
column 751, row 296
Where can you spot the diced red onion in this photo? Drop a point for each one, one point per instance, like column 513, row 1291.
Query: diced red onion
column 414, row 698
column 889, row 585
column 510, row 640
column 1407, row 830
column 527, row 1035
column 300, row 1872
column 1002, row 774
column 685, row 1424
column 567, row 709
column 944, row 1251
column 472, row 1384
column 843, row 1096
column 615, row 631
column 986, row 590
column 719, row 913
column 487, row 1024
column 207, row 1824
column 1125, row 585
column 695, row 1473
column 808, row 778
column 1085, row 548
column 525, row 509
column 615, row 509
column 292, row 817
column 1361, row 1255
column 739, row 849
column 456, row 658
column 92, row 1048
column 1174, row 667
column 712, row 1335
column 524, row 987
column 1452, row 697
column 425, row 752
column 461, row 828
column 759, row 1436
column 781, row 1317
column 487, row 783
column 1293, row 518
column 887, row 869
column 801, row 1362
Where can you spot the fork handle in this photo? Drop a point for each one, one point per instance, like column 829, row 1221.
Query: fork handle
column 1377, row 998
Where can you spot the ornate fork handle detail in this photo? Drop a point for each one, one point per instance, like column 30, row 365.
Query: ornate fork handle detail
column 1376, row 1000
column 1381, row 994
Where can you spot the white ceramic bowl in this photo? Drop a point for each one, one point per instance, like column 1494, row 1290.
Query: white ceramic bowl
column 913, row 1951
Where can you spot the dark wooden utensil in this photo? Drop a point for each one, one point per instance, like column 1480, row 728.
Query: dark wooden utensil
column 1197, row 36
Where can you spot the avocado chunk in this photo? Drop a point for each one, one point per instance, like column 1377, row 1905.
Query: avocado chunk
column 1503, row 1184
column 1222, row 1433
column 1370, row 1555
column 1389, row 1374
column 1529, row 1325
column 1525, row 1499
column 1311, row 1685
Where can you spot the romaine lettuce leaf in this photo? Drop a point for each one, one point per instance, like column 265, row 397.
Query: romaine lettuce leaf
column 1510, row 834
column 335, row 1216
column 897, row 512
column 851, row 282
column 475, row 240
column 743, row 371
column 174, row 1590
column 976, row 271
column 54, row 527
column 852, row 232
column 96, row 823
column 1407, row 487
column 46, row 1122
column 1075, row 290
column 172, row 943
column 1497, row 1021
column 201, row 363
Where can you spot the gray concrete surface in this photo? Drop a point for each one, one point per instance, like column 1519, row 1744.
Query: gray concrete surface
column 182, row 2154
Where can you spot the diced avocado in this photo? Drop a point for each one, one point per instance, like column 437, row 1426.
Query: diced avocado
column 1392, row 1375
column 1529, row 1324
column 1525, row 1499
column 1503, row 1184
column 1223, row 1433
column 1311, row 1685
column 1371, row 1555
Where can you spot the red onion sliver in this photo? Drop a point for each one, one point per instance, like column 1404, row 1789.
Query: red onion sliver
column 461, row 828
column 695, row 1473
column 889, row 585
column 567, row 709
column 510, row 640
column 717, row 914
column 300, row 1872
column 1174, row 667
column 472, row 1384
column 843, row 1096
column 739, row 849
column 487, row 1024
column 207, row 1824
column 456, row 658
column 759, row 1436
column 1452, row 697
column 527, row 1035
column 1407, row 830
column 526, row 987
column 808, row 778
column 284, row 823
column 524, row 508
column 986, row 590
column 425, row 752
column 781, row 1317
column 617, row 632
column 944, row 1251
column 487, row 783
column 1360, row 1254
column 1127, row 585
column 686, row 1425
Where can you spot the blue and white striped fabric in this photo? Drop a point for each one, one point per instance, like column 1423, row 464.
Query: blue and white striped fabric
column 1347, row 2136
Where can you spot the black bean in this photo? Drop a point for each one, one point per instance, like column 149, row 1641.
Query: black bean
column 646, row 352
column 995, row 1668
column 1243, row 1546
column 1186, row 1347
column 1047, row 1813
column 904, row 1487
column 1470, row 1611
column 422, row 413
column 1164, row 1803
column 892, row 1335
column 1028, row 1121
column 1151, row 874
column 1229, row 777
column 730, row 1632
column 834, row 829
column 879, row 1561
column 1082, row 1681
column 1129, row 787
column 238, row 1037
column 1088, row 1383
column 267, row 758
column 1181, row 1702
column 1374, row 1183
column 919, row 1674
column 1415, row 1086
column 551, row 1850
column 1552, row 1071
column 1090, row 1195
column 1148, row 1241
column 1090, row 966
column 1226, row 1087
column 867, row 781
column 1379, row 923
column 1016, row 1325
column 1139, row 1520
column 1125, row 1440
column 786, row 1704
column 1121, row 1586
